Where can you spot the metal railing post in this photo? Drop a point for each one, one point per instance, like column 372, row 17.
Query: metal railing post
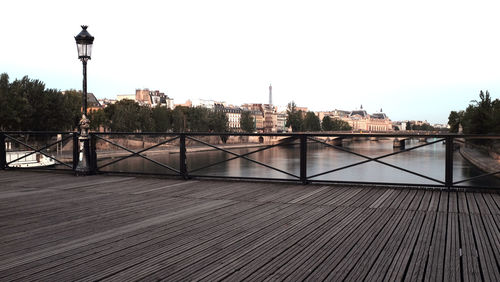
column 3, row 152
column 303, row 159
column 75, row 150
column 93, row 154
column 449, row 162
column 182, row 156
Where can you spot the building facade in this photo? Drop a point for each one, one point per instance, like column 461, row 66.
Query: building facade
column 233, row 117
column 281, row 122
column 360, row 120
column 145, row 97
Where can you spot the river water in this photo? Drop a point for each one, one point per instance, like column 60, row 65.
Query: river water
column 428, row 160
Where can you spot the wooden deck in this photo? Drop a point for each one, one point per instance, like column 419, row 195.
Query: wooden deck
column 57, row 227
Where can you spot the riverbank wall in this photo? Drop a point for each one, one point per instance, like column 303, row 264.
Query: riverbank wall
column 481, row 160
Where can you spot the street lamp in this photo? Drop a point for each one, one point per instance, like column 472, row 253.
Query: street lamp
column 84, row 45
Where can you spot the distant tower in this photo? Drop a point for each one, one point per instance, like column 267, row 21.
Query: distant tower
column 270, row 94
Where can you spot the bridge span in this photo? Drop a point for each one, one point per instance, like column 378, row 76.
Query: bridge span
column 56, row 227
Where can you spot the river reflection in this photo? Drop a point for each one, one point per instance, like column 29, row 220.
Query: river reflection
column 428, row 160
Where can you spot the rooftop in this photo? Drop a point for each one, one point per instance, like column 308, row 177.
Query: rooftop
column 58, row 227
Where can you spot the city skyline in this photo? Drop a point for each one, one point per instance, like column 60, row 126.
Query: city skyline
column 416, row 61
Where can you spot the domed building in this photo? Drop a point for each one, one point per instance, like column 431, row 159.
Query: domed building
column 360, row 120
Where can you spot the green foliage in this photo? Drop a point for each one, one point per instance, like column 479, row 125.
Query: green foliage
column 198, row 119
column 162, row 118
column 454, row 120
column 127, row 115
column 294, row 117
column 73, row 107
column 26, row 105
column 247, row 123
column 480, row 117
column 179, row 119
column 218, row 122
column 329, row 124
column 311, row 122
column 423, row 127
column 98, row 119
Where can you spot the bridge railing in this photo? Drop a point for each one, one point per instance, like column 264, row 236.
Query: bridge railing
column 267, row 157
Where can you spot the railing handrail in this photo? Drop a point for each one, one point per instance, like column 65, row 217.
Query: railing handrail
column 302, row 138
column 320, row 134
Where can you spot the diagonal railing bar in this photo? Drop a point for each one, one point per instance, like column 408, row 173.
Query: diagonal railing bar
column 377, row 159
column 286, row 141
column 38, row 150
column 476, row 177
column 244, row 157
column 138, row 153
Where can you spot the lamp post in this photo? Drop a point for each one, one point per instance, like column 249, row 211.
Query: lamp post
column 84, row 45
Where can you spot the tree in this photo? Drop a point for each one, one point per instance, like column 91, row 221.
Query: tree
column 247, row 123
column 327, row 124
column 26, row 105
column 73, row 108
column 145, row 119
column 294, row 117
column 162, row 118
column 198, row 119
column 311, row 122
column 97, row 119
column 479, row 117
column 340, row 125
column 454, row 120
column 179, row 119
column 218, row 122
column 124, row 116
column 13, row 106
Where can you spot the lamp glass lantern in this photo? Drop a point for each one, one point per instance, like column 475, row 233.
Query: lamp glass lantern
column 84, row 44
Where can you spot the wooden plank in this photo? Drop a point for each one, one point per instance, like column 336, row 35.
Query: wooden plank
column 177, row 231
column 361, row 197
column 426, row 200
column 351, row 249
column 470, row 257
column 435, row 263
column 416, row 267
column 331, row 193
column 263, row 255
column 177, row 242
column 453, row 252
column 310, row 192
column 32, row 256
column 487, row 263
column 342, row 198
column 307, row 261
column 434, row 203
column 382, row 198
column 369, row 198
column 452, row 202
column 52, row 228
column 288, row 256
column 443, row 202
column 168, row 263
column 385, row 244
column 392, row 264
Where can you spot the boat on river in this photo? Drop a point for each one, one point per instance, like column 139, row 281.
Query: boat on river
column 25, row 160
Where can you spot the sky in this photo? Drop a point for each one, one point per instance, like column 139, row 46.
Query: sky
column 416, row 60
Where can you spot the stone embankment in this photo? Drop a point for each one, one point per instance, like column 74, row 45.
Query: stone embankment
column 481, row 160
column 104, row 154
